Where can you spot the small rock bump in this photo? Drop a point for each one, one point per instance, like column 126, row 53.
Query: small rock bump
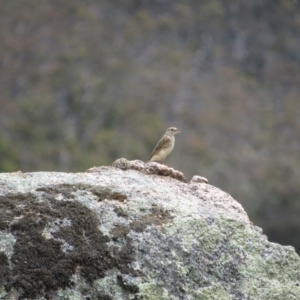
column 121, row 163
column 198, row 179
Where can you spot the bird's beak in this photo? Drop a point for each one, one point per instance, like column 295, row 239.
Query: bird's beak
column 177, row 130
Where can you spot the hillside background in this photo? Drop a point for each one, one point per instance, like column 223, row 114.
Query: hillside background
column 86, row 82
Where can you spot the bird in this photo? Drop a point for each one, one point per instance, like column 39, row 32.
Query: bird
column 164, row 146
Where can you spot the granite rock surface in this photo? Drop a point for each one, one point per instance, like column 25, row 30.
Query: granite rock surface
column 134, row 231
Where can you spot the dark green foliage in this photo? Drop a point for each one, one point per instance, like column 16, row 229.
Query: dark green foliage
column 9, row 159
column 84, row 83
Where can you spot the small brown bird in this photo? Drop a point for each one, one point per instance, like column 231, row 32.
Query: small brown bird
column 164, row 146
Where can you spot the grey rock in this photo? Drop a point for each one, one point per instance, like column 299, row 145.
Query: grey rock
column 148, row 168
column 198, row 179
column 134, row 231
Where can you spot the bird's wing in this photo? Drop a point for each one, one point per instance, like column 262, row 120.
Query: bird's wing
column 160, row 145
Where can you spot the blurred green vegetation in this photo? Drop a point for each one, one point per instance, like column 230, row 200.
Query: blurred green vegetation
column 85, row 83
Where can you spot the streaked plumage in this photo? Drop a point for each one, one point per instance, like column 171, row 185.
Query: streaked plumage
column 164, row 146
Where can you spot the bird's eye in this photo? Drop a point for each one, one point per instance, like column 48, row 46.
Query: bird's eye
column 172, row 129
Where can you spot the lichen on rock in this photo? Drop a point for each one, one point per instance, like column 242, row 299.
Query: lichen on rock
column 134, row 231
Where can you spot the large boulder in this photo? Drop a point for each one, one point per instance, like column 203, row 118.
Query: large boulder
column 134, row 231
